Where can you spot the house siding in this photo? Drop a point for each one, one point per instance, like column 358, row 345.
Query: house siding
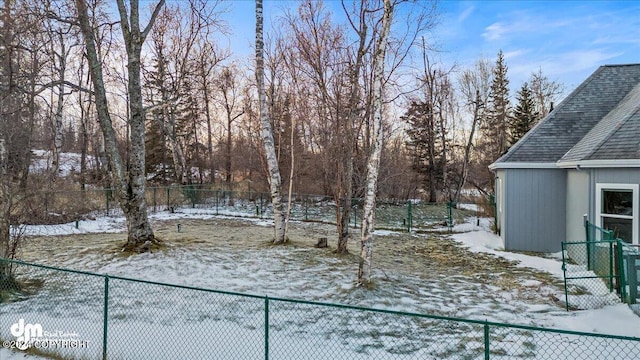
column 534, row 209
column 578, row 197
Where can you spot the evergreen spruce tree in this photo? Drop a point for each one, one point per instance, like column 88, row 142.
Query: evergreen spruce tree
column 496, row 126
column 425, row 144
column 525, row 115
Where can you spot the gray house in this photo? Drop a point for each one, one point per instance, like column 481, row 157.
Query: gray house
column 582, row 159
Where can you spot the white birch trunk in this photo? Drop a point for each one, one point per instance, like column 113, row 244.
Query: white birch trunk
column 267, row 133
column 166, row 119
column 373, row 163
column 291, row 173
column 57, row 139
column 5, row 207
column 179, row 160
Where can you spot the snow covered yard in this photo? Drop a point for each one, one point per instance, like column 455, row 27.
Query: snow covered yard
column 469, row 277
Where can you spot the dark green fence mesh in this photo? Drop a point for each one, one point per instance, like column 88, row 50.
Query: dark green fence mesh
column 84, row 315
column 68, row 206
column 600, row 271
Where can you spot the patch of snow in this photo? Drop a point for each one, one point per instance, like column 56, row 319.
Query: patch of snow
column 472, row 207
column 99, row 225
column 8, row 354
column 42, row 161
column 249, row 271
column 612, row 320
column 617, row 319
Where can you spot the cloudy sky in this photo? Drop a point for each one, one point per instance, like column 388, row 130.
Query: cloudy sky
column 568, row 40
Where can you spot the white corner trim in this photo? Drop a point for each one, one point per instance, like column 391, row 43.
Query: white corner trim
column 622, row 163
column 523, row 165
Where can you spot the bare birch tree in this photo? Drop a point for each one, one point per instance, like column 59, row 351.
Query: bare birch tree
column 373, row 163
column 60, row 50
column 267, row 134
column 475, row 86
column 228, row 86
column 545, row 92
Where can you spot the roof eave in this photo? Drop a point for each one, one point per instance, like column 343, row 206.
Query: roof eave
column 522, row 165
column 610, row 163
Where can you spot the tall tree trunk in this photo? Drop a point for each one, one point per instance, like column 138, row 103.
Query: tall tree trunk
column 177, row 153
column 5, row 199
column 207, row 113
column 433, row 190
column 267, row 133
column 291, row 173
column 345, row 168
column 83, row 142
column 129, row 187
column 135, row 206
column 5, row 206
column 166, row 120
column 373, row 163
column 467, row 149
column 228, row 144
column 57, row 126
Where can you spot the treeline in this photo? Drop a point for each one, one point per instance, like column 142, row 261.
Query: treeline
column 461, row 121
column 201, row 111
column 153, row 98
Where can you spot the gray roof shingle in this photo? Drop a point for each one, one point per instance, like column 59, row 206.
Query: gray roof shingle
column 600, row 139
column 603, row 109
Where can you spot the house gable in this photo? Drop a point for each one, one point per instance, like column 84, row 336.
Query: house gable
column 575, row 117
column 613, row 136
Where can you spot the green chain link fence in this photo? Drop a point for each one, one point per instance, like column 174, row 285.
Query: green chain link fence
column 111, row 317
column 600, row 271
column 413, row 215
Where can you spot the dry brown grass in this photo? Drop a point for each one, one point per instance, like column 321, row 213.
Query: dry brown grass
column 395, row 255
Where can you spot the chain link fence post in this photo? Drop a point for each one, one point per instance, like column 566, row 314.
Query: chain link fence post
column 621, row 270
column 564, row 272
column 487, row 352
column 108, row 198
column 266, row 328
column 217, row 197
column 105, row 318
column 409, row 216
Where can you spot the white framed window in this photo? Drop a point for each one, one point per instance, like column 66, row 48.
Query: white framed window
column 617, row 209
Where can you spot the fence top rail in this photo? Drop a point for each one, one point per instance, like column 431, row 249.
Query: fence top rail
column 589, row 242
column 340, row 306
column 595, row 227
column 214, row 189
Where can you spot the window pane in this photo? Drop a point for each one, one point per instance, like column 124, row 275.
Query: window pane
column 622, row 228
column 617, row 202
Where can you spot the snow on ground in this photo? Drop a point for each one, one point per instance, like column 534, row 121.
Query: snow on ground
column 69, row 162
column 479, row 239
column 117, row 224
column 327, row 279
column 616, row 319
